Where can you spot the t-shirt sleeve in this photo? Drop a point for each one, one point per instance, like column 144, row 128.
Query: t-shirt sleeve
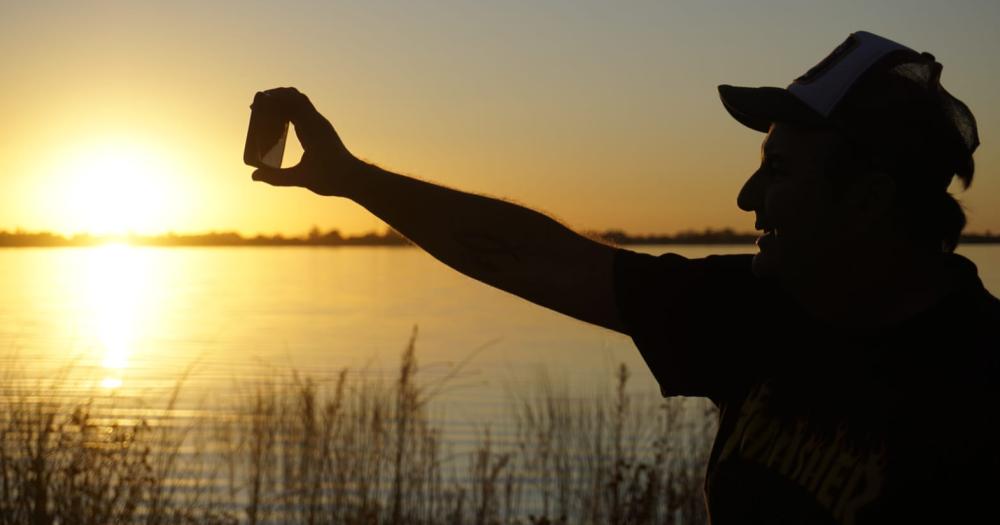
column 696, row 322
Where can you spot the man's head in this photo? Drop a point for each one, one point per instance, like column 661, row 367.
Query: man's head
column 859, row 152
column 794, row 201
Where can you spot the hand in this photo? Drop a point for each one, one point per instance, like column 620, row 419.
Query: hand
column 326, row 165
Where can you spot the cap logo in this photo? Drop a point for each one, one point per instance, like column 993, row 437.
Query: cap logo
column 823, row 86
column 827, row 63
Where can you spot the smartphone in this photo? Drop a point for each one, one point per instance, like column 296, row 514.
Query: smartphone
column 266, row 133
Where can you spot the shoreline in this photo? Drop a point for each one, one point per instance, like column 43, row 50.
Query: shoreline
column 391, row 238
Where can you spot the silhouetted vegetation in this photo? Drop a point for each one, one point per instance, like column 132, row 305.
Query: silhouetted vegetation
column 729, row 236
column 353, row 451
column 314, row 238
column 708, row 236
column 317, row 237
column 980, row 238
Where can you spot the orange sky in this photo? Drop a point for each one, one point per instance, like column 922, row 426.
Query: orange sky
column 120, row 116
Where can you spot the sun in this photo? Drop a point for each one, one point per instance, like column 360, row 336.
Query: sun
column 117, row 186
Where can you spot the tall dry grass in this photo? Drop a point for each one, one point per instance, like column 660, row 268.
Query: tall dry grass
column 352, row 451
column 65, row 461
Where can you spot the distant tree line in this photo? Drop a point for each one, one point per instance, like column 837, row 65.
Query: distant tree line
column 315, row 237
column 730, row 236
column 318, row 237
column 707, row 236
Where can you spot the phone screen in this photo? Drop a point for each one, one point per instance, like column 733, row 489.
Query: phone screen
column 266, row 134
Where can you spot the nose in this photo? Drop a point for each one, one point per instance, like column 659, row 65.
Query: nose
column 752, row 193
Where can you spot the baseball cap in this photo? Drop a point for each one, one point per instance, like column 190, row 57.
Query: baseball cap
column 884, row 96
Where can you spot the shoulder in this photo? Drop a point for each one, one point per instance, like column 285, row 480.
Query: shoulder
column 949, row 355
column 978, row 323
column 694, row 319
column 971, row 315
column 649, row 284
column 644, row 282
column 634, row 269
column 735, row 262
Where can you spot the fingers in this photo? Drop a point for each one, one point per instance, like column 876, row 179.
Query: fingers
column 278, row 176
column 311, row 127
column 295, row 104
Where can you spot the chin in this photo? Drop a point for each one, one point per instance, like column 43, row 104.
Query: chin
column 765, row 265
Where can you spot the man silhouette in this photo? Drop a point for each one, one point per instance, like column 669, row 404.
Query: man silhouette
column 854, row 359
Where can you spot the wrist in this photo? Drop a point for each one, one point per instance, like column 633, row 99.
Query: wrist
column 357, row 173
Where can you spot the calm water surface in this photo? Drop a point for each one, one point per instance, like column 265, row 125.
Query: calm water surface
column 134, row 320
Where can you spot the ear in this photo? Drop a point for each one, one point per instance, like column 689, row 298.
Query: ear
column 870, row 199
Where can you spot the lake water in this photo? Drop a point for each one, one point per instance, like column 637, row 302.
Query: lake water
column 134, row 320
column 123, row 326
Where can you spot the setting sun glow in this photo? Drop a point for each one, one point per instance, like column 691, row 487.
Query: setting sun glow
column 116, row 187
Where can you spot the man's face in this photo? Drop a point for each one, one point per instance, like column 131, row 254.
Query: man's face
column 792, row 198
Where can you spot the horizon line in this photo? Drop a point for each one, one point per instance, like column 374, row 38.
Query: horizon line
column 387, row 237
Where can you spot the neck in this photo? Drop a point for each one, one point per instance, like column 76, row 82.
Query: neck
column 887, row 285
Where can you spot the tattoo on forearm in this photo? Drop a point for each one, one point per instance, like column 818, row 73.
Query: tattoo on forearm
column 488, row 251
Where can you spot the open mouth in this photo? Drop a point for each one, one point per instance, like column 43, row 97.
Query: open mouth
column 766, row 238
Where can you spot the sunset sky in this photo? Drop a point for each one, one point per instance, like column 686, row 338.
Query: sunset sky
column 132, row 115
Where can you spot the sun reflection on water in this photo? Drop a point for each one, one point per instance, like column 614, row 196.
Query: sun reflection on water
column 115, row 276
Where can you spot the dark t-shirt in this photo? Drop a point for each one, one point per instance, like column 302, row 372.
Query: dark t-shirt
column 900, row 425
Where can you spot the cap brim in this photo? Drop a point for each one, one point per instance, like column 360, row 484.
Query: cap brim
column 758, row 108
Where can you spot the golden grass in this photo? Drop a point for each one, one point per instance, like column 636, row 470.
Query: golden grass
column 355, row 452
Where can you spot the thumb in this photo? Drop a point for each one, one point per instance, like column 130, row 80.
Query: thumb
column 277, row 176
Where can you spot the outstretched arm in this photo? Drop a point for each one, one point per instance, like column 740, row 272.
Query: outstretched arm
column 499, row 243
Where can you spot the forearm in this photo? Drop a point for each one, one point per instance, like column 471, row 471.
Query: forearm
column 502, row 244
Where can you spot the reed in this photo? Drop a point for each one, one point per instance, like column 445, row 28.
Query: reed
column 88, row 462
column 352, row 450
